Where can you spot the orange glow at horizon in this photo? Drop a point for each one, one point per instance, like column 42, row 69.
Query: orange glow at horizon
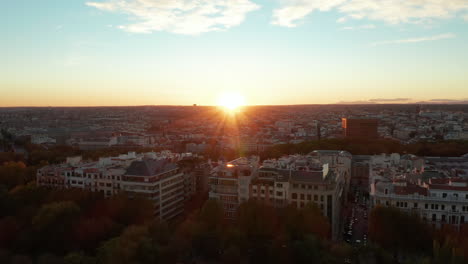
column 231, row 101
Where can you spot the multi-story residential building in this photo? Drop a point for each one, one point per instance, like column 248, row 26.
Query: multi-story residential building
column 229, row 183
column 299, row 180
column 159, row 180
column 155, row 176
column 340, row 163
column 360, row 171
column 438, row 201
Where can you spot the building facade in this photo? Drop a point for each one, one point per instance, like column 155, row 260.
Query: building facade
column 155, row 176
column 363, row 128
column 437, row 201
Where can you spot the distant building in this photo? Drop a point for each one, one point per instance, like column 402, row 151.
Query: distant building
column 360, row 128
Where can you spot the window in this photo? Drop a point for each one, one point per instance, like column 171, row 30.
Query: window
column 279, row 185
column 279, row 193
column 415, row 205
column 426, row 206
column 262, row 191
column 437, row 207
column 432, row 206
column 315, row 197
column 387, row 203
column 321, row 198
column 302, row 196
column 454, row 207
column 316, row 188
column 433, row 217
column 455, row 195
column 294, row 195
column 398, row 204
column 443, row 218
column 406, row 204
column 466, row 196
column 444, row 195
column 294, row 185
column 386, row 191
column 442, row 207
column 309, row 197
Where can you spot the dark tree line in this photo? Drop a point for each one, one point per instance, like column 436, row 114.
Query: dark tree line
column 452, row 148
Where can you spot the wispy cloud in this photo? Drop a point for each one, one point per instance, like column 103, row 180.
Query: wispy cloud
column 179, row 16
column 355, row 102
column 414, row 40
column 389, row 11
column 388, row 100
column 369, row 26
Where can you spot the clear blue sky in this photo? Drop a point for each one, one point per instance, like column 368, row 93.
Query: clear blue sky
column 138, row 52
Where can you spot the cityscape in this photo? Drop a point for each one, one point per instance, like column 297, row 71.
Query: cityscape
column 234, row 131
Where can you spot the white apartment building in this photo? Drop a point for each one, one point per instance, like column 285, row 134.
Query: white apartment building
column 438, row 201
column 155, row 176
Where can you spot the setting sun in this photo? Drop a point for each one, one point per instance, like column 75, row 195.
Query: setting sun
column 231, row 101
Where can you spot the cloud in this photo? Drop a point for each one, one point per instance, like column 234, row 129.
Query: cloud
column 341, row 20
column 390, row 100
column 389, row 11
column 444, row 101
column 415, row 40
column 189, row 17
column 293, row 10
column 369, row 26
column 355, row 102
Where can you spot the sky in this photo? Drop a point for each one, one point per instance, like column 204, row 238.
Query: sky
column 184, row 52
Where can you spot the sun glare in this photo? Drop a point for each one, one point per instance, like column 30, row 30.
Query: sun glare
column 231, row 101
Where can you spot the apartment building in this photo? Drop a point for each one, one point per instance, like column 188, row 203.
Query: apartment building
column 299, row 180
column 229, row 183
column 438, row 201
column 155, row 176
column 159, row 180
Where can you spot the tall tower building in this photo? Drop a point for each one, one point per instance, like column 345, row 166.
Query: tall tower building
column 365, row 128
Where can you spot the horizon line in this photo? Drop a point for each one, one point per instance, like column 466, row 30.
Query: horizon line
column 461, row 102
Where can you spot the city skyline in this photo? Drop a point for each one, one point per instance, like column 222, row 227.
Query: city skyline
column 105, row 52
